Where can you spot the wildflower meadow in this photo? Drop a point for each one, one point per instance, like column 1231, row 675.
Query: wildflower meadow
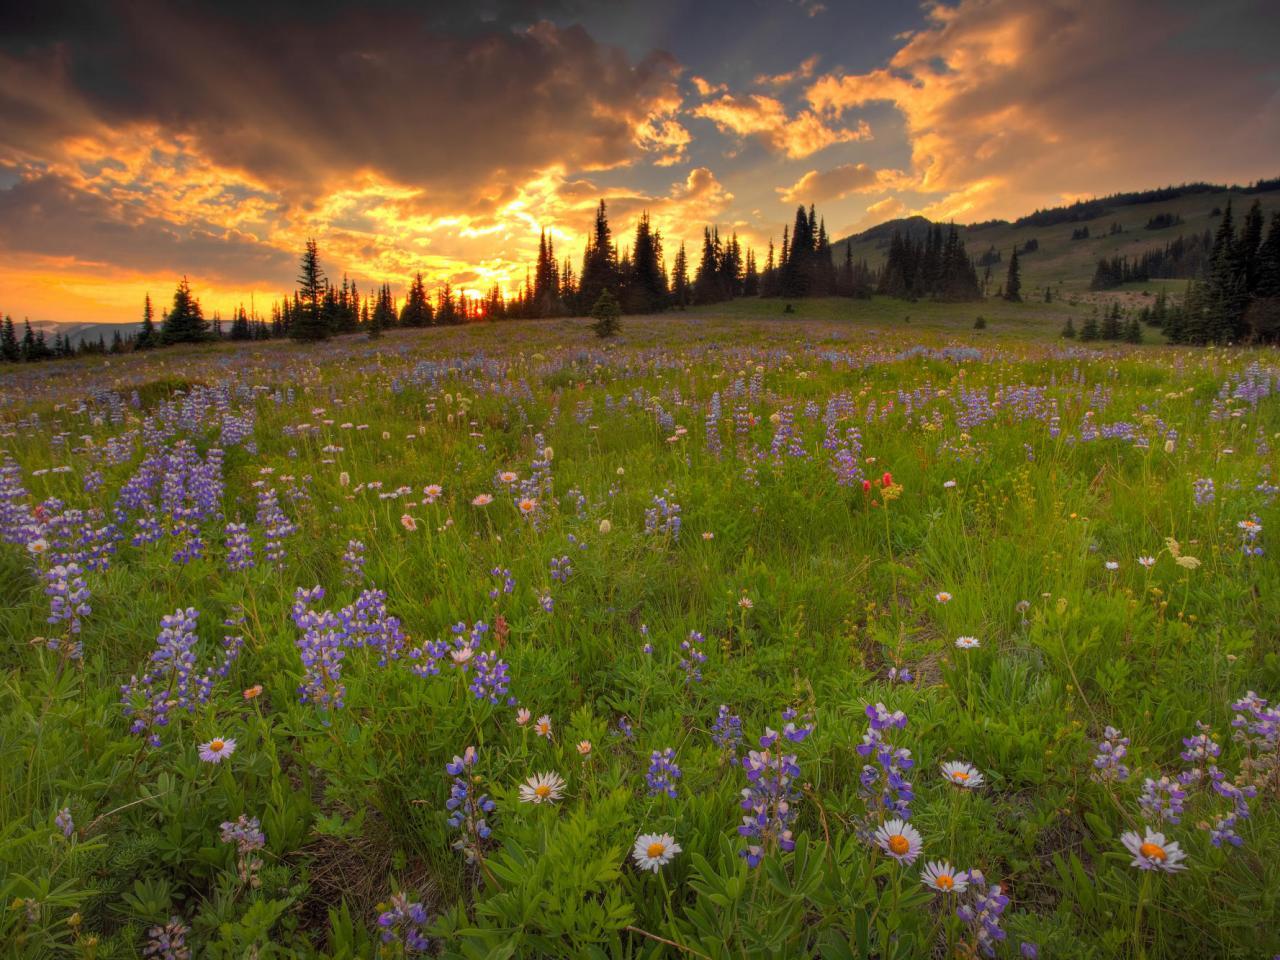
column 731, row 637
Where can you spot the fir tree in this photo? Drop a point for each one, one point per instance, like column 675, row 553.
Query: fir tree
column 240, row 326
column 184, row 323
column 1133, row 331
column 606, row 313
column 28, row 348
column 1069, row 330
column 1089, row 330
column 9, row 348
column 416, row 311
column 147, row 337
column 1013, row 281
column 680, row 279
column 1111, row 329
column 647, row 283
column 310, row 324
column 599, row 261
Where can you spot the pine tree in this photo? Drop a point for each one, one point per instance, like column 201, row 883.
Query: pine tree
column 1111, row 329
column 416, row 311
column 310, row 324
column 647, row 283
column 1013, row 282
column 599, row 261
column 10, row 351
column 706, row 282
column 1225, row 294
column 606, row 313
column 680, row 279
column 240, row 326
column 28, row 347
column 147, row 337
column 117, row 342
column 1089, row 331
column 1069, row 330
column 1133, row 331
column 184, row 323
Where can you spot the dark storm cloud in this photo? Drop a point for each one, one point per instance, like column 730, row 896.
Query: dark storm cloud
column 48, row 216
column 295, row 94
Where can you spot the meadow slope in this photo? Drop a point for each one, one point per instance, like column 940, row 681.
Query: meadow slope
column 736, row 582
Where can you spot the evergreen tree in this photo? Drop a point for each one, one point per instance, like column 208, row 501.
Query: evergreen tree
column 706, row 282
column 240, row 326
column 416, row 311
column 1013, row 282
column 1089, row 331
column 1225, row 294
column 751, row 278
column 599, row 261
column 1133, row 331
column 606, row 313
column 680, row 279
column 1111, row 329
column 147, row 337
column 310, row 323
column 28, row 348
column 647, row 282
column 117, row 342
column 10, row 351
column 1069, row 330
column 184, row 323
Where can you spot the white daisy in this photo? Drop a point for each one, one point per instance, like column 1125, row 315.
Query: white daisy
column 543, row 727
column 942, row 596
column 968, row 643
column 542, row 788
column 217, row 750
column 941, row 876
column 899, row 840
column 654, row 850
column 1152, row 852
column 1147, row 562
column 962, row 774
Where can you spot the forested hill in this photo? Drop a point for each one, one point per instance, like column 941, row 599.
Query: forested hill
column 1062, row 246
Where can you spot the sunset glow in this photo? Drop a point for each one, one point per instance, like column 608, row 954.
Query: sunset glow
column 445, row 143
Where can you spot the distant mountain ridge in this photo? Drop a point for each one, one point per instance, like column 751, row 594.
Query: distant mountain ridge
column 1082, row 210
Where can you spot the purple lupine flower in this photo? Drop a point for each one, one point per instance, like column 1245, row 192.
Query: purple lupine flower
column 246, row 833
column 693, row 659
column 1200, row 757
column 726, row 733
column 467, row 807
column 1162, row 799
column 1108, row 764
column 168, row 941
column 64, row 822
column 239, row 547
column 68, row 596
column 402, row 923
column 768, row 801
column 662, row 519
column 1203, row 492
column 276, row 526
column 663, row 773
column 885, row 790
column 507, row 585
column 353, row 560
column 981, row 911
column 561, row 569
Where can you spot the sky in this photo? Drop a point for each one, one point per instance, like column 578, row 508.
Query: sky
column 145, row 140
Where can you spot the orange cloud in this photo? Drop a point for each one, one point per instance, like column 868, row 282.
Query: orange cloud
column 816, row 186
column 1009, row 104
column 765, row 117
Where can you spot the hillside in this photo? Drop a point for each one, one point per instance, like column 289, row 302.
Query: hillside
column 1069, row 264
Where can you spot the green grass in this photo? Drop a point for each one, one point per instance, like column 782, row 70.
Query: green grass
column 841, row 586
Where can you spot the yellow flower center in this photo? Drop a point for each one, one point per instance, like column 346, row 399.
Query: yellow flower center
column 656, row 849
column 944, row 881
column 959, row 775
column 542, row 790
column 898, row 844
column 1153, row 852
column 216, row 745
